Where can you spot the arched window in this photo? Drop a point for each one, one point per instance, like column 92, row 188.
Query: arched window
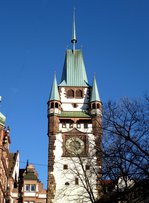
column 52, row 105
column 98, row 106
column 79, row 93
column 93, row 106
column 70, row 93
column 56, row 105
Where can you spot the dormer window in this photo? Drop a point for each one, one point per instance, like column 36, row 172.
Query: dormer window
column 70, row 93
column 79, row 94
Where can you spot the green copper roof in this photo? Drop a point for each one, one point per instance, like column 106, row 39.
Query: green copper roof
column 30, row 173
column 2, row 119
column 74, row 114
column 54, row 95
column 94, row 93
column 74, row 73
column 30, row 176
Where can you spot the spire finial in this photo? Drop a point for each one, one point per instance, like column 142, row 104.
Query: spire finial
column 74, row 39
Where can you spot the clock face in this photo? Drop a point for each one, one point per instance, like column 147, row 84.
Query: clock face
column 74, row 145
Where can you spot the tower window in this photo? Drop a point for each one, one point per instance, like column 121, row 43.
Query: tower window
column 78, row 125
column 93, row 106
column 63, row 125
column 76, row 181
column 70, row 125
column 85, row 125
column 98, row 106
column 79, row 93
column 87, row 167
column 52, row 105
column 74, row 105
column 56, row 105
column 65, row 166
column 70, row 93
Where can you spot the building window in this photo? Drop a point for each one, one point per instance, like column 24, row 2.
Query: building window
column 70, row 125
column 27, row 187
column 85, row 125
column 93, row 106
column 30, row 188
column 67, row 183
column 33, row 187
column 76, row 181
column 78, row 125
column 98, row 106
column 65, row 166
column 56, row 105
column 70, row 93
column 87, row 167
column 52, row 105
column 63, row 125
column 74, row 105
column 79, row 93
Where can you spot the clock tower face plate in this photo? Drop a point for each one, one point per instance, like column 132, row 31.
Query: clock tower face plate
column 74, row 145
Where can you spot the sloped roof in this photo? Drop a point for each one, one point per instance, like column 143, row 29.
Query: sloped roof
column 74, row 114
column 74, row 73
column 30, row 173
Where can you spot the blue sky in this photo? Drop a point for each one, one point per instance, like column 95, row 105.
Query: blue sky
column 34, row 34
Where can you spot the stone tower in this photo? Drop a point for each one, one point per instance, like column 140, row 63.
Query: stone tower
column 74, row 131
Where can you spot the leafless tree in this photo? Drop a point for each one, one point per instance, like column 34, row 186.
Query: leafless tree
column 125, row 131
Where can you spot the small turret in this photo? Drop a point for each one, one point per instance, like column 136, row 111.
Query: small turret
column 54, row 104
column 95, row 103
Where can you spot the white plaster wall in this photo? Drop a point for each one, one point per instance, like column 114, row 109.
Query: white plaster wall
column 72, row 193
column 29, row 194
column 67, row 102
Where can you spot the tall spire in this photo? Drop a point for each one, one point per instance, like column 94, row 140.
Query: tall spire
column 74, row 38
column 54, row 94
